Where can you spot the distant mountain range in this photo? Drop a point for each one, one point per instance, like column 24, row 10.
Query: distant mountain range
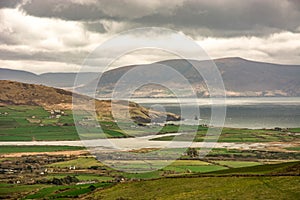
column 241, row 78
column 59, row 80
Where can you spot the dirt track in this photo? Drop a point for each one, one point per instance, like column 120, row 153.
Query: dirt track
column 79, row 152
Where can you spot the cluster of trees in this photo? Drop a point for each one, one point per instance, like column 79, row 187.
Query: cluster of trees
column 192, row 152
column 65, row 180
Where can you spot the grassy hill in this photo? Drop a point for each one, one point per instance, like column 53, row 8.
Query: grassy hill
column 262, row 184
column 205, row 188
column 25, row 113
column 16, row 93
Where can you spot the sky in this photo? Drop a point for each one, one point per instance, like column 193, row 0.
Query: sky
column 56, row 35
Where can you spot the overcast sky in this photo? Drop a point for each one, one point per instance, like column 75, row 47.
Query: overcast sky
column 56, row 35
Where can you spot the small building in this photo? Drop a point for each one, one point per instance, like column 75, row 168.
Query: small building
column 72, row 167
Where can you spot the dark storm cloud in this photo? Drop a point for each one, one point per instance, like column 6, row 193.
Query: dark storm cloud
column 219, row 18
column 253, row 17
column 64, row 9
column 9, row 3
column 60, row 33
column 296, row 3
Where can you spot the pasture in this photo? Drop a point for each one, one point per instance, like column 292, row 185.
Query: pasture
column 205, row 188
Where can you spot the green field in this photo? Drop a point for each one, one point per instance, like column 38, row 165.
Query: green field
column 29, row 123
column 294, row 130
column 223, row 174
column 70, row 191
column 191, row 166
column 177, row 167
column 294, row 148
column 236, row 164
column 194, row 168
column 205, row 188
column 285, row 167
column 21, row 149
column 204, row 181
column 243, row 135
column 253, row 154
column 7, row 190
column 83, row 177
column 81, row 162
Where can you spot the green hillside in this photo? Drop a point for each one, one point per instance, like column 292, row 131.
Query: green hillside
column 206, row 188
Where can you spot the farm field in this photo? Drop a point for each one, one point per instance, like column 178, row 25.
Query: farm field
column 177, row 167
column 33, row 123
column 48, row 191
column 267, row 185
column 205, row 188
column 245, row 135
column 84, row 177
column 277, row 168
column 93, row 179
column 23, row 149
column 80, row 162
column 67, row 175
column 30, row 123
column 293, row 148
column 236, row 164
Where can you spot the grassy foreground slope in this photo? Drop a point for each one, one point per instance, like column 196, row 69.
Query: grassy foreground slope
column 206, row 188
column 271, row 181
column 97, row 181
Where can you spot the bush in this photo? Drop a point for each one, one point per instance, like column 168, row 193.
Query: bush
column 65, row 181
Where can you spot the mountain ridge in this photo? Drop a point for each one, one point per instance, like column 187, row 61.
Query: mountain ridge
column 242, row 78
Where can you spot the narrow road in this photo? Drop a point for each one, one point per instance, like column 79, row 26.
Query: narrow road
column 146, row 142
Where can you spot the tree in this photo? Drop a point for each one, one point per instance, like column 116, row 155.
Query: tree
column 192, row 152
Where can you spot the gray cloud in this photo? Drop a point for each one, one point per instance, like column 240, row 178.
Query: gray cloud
column 67, row 10
column 253, row 17
column 60, row 33
column 295, row 3
column 220, row 18
column 72, row 57
column 9, row 3
column 96, row 26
